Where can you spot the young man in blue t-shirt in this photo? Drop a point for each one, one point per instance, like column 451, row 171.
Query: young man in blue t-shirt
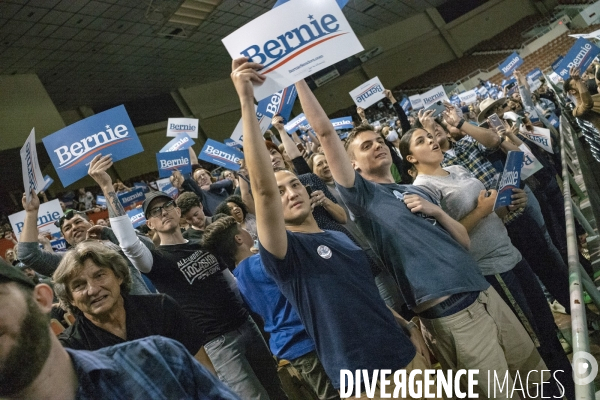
column 467, row 323
column 323, row 274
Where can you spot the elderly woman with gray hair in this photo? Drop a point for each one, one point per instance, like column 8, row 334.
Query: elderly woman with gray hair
column 93, row 283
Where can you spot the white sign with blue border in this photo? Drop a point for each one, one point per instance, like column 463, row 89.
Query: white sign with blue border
column 32, row 175
column 173, row 160
column 72, row 148
column 48, row 214
column 220, row 154
column 368, row 93
column 177, row 126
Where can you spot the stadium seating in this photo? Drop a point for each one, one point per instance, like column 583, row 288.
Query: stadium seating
column 512, row 37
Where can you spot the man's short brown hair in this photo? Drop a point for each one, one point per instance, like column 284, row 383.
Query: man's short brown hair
column 219, row 239
column 186, row 201
column 354, row 133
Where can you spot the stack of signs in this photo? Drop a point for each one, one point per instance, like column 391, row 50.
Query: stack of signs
column 173, row 160
column 177, row 126
column 511, row 179
column 508, row 66
column 72, row 148
column 164, row 185
column 32, row 176
column 181, row 142
column 415, row 101
column 405, row 104
column 221, row 155
column 468, row 97
column 580, row 55
column 132, row 197
column 291, row 50
column 433, row 96
column 294, row 124
column 136, row 216
column 48, row 214
column 280, row 103
column 342, row 123
column 368, row 93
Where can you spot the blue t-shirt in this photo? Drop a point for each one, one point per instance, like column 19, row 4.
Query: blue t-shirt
column 327, row 279
column 425, row 260
column 289, row 340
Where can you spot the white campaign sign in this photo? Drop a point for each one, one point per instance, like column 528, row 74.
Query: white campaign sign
column 436, row 94
column 238, row 133
column 415, row 101
column 368, row 93
column 468, row 97
column 175, row 126
column 531, row 165
column 293, row 41
column 32, row 176
column 48, row 214
column 539, row 136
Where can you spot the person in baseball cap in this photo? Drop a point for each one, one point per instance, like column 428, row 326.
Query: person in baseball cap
column 151, row 197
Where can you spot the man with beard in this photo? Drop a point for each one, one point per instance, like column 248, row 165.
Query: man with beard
column 34, row 365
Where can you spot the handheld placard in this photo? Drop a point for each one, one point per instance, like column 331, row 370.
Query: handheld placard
column 511, row 179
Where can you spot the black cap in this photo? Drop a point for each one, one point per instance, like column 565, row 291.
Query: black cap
column 152, row 196
column 13, row 274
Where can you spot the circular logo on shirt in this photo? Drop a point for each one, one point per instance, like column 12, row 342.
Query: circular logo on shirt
column 324, row 251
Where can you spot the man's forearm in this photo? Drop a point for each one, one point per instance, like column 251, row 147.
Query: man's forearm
column 30, row 230
column 486, row 137
column 42, row 262
column 113, row 204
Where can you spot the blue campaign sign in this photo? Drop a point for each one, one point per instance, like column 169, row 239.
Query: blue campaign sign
column 59, row 245
column 580, row 55
column 342, row 123
column 535, row 74
column 232, row 143
column 341, row 3
column 100, row 200
column 220, row 154
column 142, row 185
column 280, row 103
column 47, row 182
column 506, row 82
column 455, row 100
column 136, row 216
column 405, row 104
column 173, row 160
column 510, row 64
column 556, row 63
column 293, row 125
column 72, row 148
column 130, row 198
column 181, row 142
column 511, row 178
column 170, row 190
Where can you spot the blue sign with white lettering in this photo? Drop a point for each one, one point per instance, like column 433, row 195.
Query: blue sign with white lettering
column 72, row 148
column 232, row 143
column 510, row 64
column 535, row 74
column 180, row 142
column 222, row 155
column 48, row 181
column 280, row 103
column 342, row 123
column 173, row 160
column 506, row 82
column 100, row 200
column 581, row 54
column 142, row 185
column 59, row 245
column 130, row 198
column 405, row 104
column 511, row 179
column 556, row 63
column 136, row 216
column 293, row 125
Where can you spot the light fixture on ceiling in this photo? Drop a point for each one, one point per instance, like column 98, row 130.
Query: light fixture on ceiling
column 194, row 12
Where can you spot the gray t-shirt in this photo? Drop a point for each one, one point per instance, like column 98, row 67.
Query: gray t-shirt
column 457, row 194
column 426, row 261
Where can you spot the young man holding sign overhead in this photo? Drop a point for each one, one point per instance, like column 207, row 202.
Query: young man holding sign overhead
column 323, row 274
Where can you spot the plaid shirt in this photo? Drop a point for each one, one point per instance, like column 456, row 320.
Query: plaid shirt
column 472, row 155
column 151, row 368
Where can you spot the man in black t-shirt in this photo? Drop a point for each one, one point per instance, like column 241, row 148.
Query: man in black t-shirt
column 198, row 282
column 193, row 212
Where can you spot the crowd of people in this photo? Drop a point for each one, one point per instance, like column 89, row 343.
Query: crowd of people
column 378, row 248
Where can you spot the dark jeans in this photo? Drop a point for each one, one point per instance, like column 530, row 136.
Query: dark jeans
column 527, row 293
column 552, row 204
column 527, row 236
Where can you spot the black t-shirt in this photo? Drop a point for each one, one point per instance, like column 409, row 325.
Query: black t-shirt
column 146, row 315
column 194, row 278
column 193, row 234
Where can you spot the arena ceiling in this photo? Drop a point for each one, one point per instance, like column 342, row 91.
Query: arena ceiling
column 104, row 52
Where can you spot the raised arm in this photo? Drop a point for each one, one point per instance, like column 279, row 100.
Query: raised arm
column 339, row 162
column 404, row 123
column 139, row 255
column 585, row 98
column 486, row 137
column 289, row 145
column 270, row 224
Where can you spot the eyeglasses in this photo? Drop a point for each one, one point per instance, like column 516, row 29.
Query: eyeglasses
column 157, row 211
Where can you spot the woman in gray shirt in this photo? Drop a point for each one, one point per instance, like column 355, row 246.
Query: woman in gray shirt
column 464, row 198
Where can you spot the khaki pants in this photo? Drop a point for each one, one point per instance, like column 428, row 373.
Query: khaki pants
column 486, row 336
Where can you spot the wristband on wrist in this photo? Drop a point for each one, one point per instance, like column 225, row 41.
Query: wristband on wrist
column 460, row 124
